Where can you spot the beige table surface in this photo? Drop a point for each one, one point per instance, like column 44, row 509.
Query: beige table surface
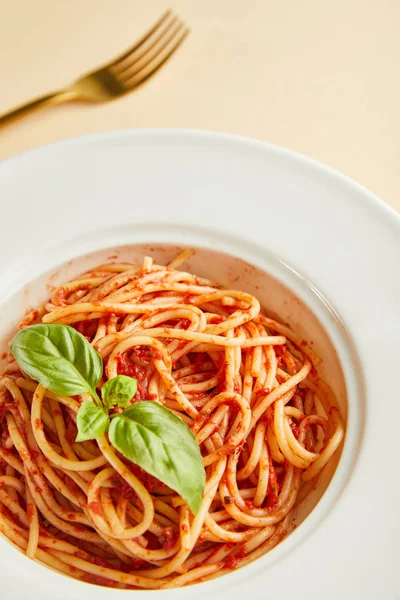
column 317, row 76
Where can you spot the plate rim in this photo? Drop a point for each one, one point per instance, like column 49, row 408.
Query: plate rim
column 379, row 203
column 385, row 211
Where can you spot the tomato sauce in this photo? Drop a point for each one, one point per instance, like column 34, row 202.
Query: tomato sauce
column 169, row 537
column 98, row 580
column 31, row 316
column 295, row 430
column 72, row 486
column 141, row 374
column 273, row 485
column 86, row 328
column 101, row 562
column 71, row 431
column 150, row 483
column 146, row 353
column 123, row 488
column 232, row 562
column 95, row 507
column 60, row 297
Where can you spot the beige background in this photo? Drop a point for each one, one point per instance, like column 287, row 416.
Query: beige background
column 317, row 76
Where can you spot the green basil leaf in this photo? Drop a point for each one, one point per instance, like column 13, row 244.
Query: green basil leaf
column 92, row 421
column 59, row 357
column 118, row 391
column 152, row 437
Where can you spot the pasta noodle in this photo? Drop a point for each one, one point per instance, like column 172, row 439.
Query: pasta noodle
column 241, row 381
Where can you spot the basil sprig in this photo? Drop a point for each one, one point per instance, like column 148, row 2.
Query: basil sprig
column 148, row 434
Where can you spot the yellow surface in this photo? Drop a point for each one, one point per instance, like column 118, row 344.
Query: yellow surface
column 317, row 76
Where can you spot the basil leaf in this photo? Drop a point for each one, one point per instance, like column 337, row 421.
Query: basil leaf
column 92, row 421
column 152, row 437
column 118, row 391
column 59, row 357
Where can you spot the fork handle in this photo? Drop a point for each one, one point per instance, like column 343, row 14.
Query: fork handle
column 47, row 100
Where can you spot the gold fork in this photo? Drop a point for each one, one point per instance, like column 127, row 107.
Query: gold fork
column 121, row 75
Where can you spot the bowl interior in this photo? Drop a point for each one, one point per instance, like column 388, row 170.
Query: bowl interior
column 276, row 300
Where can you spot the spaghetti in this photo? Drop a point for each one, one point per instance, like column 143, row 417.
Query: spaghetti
column 245, row 385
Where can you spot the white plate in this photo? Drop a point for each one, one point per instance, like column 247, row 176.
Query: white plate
column 277, row 210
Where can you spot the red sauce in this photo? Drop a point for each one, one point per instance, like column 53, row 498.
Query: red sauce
column 169, row 537
column 97, row 580
column 86, row 328
column 295, row 430
column 273, row 485
column 280, row 350
column 153, row 542
column 232, row 562
column 218, row 390
column 185, row 323
column 197, row 395
column 123, row 488
column 59, row 297
column 262, row 393
column 95, row 507
column 71, row 431
column 146, row 353
column 237, row 387
column 127, row 367
column 272, row 501
column 140, row 393
column 301, row 392
column 199, row 360
column 34, row 454
column 4, row 410
column 4, row 435
column 182, row 344
column 101, row 562
column 30, row 317
column 216, row 319
column 44, row 532
column 149, row 482
column 9, row 515
column 141, row 374
column 72, row 486
column 136, row 564
column 30, row 512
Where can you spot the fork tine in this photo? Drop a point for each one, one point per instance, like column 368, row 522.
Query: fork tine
column 141, row 50
column 157, row 62
column 164, row 17
column 151, row 53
